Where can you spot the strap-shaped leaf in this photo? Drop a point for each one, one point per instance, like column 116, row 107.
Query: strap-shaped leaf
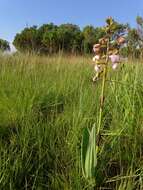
column 89, row 153
column 84, row 147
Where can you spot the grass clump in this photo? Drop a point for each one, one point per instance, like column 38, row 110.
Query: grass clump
column 45, row 104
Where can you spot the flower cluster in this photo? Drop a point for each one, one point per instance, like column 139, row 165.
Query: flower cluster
column 108, row 48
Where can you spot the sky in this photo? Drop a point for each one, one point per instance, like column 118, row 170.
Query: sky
column 17, row 14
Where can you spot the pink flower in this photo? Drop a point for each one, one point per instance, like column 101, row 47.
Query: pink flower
column 114, row 66
column 97, row 57
column 115, row 58
column 96, row 48
column 96, row 45
column 98, row 68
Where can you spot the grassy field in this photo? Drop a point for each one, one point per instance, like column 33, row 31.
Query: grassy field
column 46, row 102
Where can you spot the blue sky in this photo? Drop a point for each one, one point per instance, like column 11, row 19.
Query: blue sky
column 16, row 14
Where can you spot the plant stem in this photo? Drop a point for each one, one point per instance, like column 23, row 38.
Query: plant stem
column 102, row 97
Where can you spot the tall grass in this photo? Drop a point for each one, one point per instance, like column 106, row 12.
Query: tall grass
column 46, row 102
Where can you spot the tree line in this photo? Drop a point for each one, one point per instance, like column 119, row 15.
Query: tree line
column 69, row 38
column 50, row 38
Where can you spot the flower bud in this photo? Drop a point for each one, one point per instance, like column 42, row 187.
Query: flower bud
column 109, row 20
column 114, row 66
column 96, row 58
column 96, row 45
column 103, row 41
column 120, row 40
column 97, row 68
column 96, row 48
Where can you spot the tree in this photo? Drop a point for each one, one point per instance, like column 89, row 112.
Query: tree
column 26, row 40
column 4, row 45
column 133, row 43
column 70, row 38
column 49, row 38
column 91, row 35
column 89, row 38
column 140, row 33
column 45, row 37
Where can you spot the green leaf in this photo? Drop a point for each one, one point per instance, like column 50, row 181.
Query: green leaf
column 84, row 147
column 89, row 153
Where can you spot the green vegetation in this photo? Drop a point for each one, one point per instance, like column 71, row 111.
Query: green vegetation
column 4, row 45
column 47, row 102
column 70, row 39
column 50, row 38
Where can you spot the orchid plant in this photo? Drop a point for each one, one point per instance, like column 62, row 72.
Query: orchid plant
column 106, row 53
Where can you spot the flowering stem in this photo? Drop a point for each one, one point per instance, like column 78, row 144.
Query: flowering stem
column 102, row 98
